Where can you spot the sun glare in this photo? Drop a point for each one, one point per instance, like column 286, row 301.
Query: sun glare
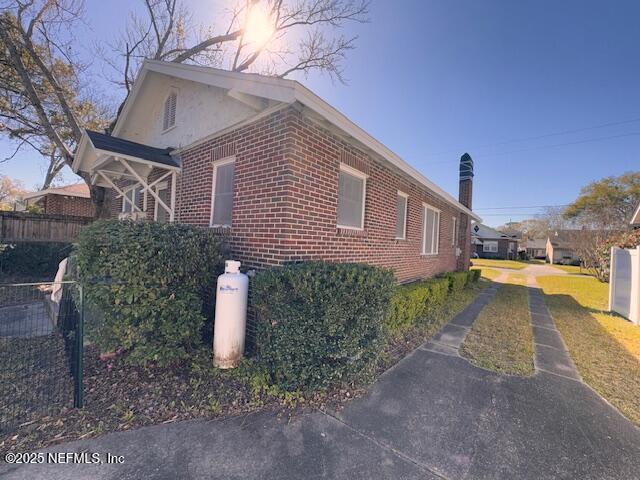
column 259, row 28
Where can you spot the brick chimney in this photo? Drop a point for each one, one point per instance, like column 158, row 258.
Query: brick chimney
column 466, row 180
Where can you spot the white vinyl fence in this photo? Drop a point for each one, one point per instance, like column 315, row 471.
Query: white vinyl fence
column 624, row 283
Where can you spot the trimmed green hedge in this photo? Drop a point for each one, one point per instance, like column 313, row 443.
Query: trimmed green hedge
column 417, row 301
column 150, row 281
column 319, row 324
column 33, row 260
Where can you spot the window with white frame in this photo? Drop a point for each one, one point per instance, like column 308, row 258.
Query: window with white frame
column 454, row 232
column 170, row 104
column 351, row 198
column 431, row 233
column 160, row 214
column 222, row 192
column 490, row 246
column 401, row 215
column 132, row 195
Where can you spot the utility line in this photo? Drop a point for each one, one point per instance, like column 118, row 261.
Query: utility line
column 538, row 137
column 522, row 206
column 541, row 147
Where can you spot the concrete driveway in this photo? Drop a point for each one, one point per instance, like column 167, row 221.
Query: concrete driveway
column 433, row 415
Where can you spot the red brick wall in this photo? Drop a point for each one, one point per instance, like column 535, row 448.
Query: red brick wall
column 67, row 205
column 286, row 197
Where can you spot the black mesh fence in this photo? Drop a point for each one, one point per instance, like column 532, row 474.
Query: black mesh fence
column 40, row 343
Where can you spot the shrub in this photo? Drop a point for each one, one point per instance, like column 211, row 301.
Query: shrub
column 413, row 302
column 319, row 323
column 33, row 259
column 150, row 282
column 457, row 281
column 474, row 275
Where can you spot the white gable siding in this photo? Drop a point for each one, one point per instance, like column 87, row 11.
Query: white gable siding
column 201, row 111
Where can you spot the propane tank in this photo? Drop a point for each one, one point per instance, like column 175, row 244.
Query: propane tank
column 231, row 316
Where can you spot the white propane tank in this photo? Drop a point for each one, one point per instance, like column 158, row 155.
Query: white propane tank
column 231, row 316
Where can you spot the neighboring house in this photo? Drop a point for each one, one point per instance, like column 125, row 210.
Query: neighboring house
column 536, row 248
column 561, row 247
column 635, row 219
column 71, row 200
column 275, row 169
column 488, row 242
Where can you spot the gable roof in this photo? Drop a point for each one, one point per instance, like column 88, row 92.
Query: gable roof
column 287, row 92
column 537, row 243
column 74, row 190
column 635, row 219
column 108, row 143
column 480, row 231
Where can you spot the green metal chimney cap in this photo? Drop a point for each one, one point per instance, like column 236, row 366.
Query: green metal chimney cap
column 466, row 167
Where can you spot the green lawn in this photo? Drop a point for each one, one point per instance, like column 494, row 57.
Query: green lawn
column 574, row 269
column 501, row 338
column 488, row 273
column 604, row 347
column 487, row 262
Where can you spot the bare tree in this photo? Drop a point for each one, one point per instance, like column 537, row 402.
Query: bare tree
column 45, row 100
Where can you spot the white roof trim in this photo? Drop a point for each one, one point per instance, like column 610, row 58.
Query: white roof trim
column 635, row 219
column 54, row 191
column 285, row 91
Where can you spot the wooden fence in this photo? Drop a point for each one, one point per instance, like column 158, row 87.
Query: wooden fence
column 30, row 227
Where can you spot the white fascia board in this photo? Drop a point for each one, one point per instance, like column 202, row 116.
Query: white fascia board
column 54, row 191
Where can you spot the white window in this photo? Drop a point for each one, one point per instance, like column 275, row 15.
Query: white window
column 170, row 103
column 132, row 196
column 351, row 198
column 160, row 214
column 222, row 192
column 431, row 232
column 454, row 232
column 490, row 246
column 401, row 215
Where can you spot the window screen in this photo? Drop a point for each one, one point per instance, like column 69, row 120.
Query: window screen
column 490, row 246
column 223, row 195
column 350, row 200
column 401, row 216
column 133, row 195
column 162, row 215
column 431, row 231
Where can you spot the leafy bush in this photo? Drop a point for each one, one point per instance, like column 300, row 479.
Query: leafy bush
column 474, row 275
column 33, row 259
column 150, row 282
column 457, row 281
column 413, row 302
column 319, row 323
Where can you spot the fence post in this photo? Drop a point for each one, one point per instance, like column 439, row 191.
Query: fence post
column 612, row 276
column 79, row 377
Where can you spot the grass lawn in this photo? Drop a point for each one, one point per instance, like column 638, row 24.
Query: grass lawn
column 573, row 269
column 488, row 273
column 604, row 347
column 501, row 338
column 487, row 262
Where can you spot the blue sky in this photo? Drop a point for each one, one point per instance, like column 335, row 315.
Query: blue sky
column 434, row 79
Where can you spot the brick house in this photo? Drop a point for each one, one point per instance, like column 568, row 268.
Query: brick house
column 71, row 200
column 487, row 242
column 281, row 174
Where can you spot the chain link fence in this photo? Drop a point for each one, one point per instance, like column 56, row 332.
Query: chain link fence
column 41, row 344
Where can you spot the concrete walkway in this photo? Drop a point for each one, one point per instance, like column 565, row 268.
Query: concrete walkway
column 432, row 416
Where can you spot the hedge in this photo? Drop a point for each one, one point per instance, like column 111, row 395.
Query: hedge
column 417, row 301
column 150, row 281
column 33, row 260
column 319, row 324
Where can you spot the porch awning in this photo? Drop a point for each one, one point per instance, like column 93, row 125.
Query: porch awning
column 112, row 162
